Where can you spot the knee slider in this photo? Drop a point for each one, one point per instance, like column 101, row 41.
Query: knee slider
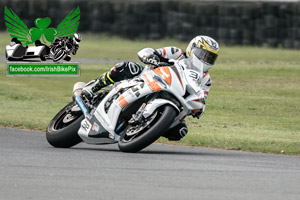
column 134, row 68
column 125, row 70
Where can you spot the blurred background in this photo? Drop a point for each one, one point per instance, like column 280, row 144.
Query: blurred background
column 275, row 23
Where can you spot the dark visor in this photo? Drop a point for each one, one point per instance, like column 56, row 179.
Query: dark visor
column 205, row 56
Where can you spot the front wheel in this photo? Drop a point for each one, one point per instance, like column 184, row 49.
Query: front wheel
column 63, row 128
column 137, row 137
column 59, row 54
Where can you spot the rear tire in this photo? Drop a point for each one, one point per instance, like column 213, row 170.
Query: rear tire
column 144, row 138
column 64, row 135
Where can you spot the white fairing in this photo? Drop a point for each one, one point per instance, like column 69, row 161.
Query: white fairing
column 177, row 80
column 30, row 51
column 84, row 134
column 36, row 50
column 153, row 105
column 10, row 49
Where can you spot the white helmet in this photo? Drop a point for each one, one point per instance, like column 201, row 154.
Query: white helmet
column 76, row 38
column 203, row 51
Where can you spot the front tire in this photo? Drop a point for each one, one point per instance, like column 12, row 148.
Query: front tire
column 162, row 120
column 62, row 130
column 59, row 54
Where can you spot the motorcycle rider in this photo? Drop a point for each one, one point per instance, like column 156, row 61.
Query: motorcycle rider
column 202, row 49
column 71, row 43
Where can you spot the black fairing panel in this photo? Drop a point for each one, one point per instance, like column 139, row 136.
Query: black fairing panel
column 20, row 52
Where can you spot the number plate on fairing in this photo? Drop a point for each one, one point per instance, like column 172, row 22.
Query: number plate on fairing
column 86, row 125
column 91, row 127
column 92, row 132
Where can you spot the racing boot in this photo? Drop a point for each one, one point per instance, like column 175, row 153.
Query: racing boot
column 95, row 85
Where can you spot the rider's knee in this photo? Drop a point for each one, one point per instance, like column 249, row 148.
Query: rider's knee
column 125, row 70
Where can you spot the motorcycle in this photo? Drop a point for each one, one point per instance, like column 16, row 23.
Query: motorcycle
column 133, row 113
column 60, row 52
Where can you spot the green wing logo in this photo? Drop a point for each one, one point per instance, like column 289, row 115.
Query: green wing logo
column 17, row 29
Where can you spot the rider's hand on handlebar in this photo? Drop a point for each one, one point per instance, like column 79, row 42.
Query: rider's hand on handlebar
column 151, row 59
column 160, row 63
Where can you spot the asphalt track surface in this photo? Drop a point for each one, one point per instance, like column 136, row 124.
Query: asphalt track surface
column 31, row 169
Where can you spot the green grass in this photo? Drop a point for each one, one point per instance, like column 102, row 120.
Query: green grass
column 253, row 104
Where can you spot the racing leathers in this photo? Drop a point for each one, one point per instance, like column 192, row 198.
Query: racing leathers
column 128, row 69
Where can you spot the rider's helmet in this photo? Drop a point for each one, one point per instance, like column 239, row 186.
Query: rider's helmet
column 203, row 51
column 76, row 38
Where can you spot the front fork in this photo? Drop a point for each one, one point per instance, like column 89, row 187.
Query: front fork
column 136, row 117
column 83, row 107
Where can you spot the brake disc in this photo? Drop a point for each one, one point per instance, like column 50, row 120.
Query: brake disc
column 68, row 118
column 137, row 128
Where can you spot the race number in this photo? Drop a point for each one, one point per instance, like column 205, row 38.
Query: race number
column 86, row 125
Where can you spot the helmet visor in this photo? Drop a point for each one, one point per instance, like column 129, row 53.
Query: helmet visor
column 205, row 56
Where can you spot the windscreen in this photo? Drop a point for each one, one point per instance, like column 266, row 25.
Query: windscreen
column 195, row 65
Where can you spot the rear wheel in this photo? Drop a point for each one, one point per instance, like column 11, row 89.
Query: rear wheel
column 138, row 136
column 63, row 128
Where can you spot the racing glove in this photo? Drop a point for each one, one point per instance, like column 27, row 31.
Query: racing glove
column 152, row 57
column 148, row 56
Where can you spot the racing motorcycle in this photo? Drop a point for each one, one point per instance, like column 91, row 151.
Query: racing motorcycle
column 133, row 113
column 60, row 52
